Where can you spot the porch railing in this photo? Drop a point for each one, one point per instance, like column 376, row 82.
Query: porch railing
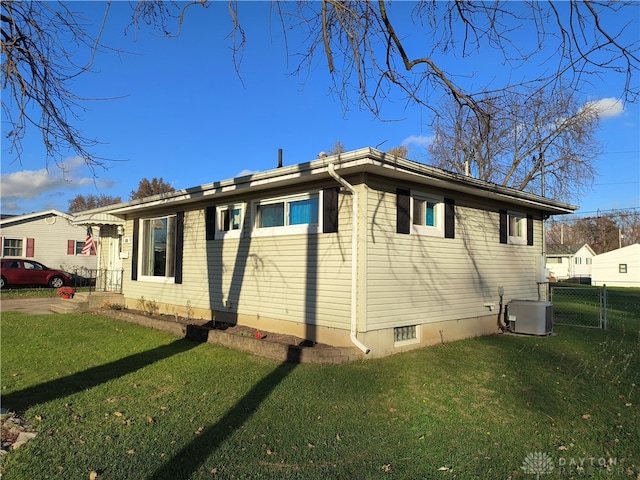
column 98, row 280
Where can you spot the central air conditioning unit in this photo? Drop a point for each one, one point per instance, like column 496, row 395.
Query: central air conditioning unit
column 530, row 317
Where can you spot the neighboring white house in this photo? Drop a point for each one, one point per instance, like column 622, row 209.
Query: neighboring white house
column 48, row 237
column 617, row 268
column 569, row 261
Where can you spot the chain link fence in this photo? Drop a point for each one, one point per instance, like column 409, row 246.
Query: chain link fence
column 580, row 307
column 596, row 307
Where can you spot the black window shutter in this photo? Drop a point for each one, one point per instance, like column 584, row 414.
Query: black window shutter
column 403, row 217
column 330, row 210
column 529, row 229
column 177, row 278
column 449, row 218
column 134, row 249
column 503, row 226
column 210, row 223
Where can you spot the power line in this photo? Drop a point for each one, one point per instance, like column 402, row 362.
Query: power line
column 636, row 210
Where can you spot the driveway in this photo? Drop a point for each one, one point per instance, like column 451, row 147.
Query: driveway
column 27, row 305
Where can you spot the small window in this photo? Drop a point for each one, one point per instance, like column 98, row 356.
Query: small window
column 288, row 215
column 427, row 213
column 517, row 228
column 622, row 268
column 406, row 334
column 229, row 220
column 588, row 261
column 12, row 247
column 79, row 247
column 578, row 260
column 554, row 259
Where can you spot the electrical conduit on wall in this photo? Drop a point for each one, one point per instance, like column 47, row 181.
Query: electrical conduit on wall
column 354, row 258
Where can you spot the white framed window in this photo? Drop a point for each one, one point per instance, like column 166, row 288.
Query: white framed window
column 622, row 268
column 229, row 220
column 157, row 260
column 516, row 228
column 79, row 246
column 295, row 214
column 427, row 214
column 405, row 335
column 554, row 259
column 588, row 260
column 578, row 260
column 12, row 247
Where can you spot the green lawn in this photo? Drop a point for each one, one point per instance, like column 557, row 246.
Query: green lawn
column 132, row 403
column 579, row 305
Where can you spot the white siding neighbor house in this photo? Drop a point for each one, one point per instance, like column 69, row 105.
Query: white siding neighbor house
column 618, row 268
column 49, row 237
column 361, row 249
column 569, row 261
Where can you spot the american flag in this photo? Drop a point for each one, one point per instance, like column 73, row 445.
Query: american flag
column 88, row 248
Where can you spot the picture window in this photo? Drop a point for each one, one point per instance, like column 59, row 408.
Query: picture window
column 158, row 241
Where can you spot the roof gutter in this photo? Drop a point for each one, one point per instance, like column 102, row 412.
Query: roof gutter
column 354, row 259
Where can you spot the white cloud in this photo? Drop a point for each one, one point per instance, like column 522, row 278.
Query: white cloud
column 28, row 184
column 18, row 187
column 245, row 172
column 419, row 140
column 606, row 107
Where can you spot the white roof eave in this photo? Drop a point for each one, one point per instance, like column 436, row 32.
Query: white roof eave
column 358, row 161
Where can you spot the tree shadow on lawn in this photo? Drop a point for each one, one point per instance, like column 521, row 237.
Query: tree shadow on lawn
column 92, row 377
column 194, row 454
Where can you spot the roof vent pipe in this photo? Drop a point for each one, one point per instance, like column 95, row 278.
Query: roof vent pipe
column 279, row 158
column 354, row 259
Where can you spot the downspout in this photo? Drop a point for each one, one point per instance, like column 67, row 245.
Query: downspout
column 354, row 259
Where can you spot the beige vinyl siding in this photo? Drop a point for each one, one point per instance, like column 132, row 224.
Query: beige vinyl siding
column 298, row 278
column 194, row 290
column 51, row 234
column 413, row 279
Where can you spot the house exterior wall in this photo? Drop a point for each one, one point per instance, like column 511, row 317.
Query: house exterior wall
column 51, row 234
column 582, row 261
column 300, row 284
column 564, row 265
column 268, row 282
column 448, row 288
column 607, row 267
column 561, row 267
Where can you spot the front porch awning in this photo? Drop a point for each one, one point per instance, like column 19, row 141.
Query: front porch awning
column 96, row 219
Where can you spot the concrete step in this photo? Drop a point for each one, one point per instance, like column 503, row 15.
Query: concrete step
column 71, row 305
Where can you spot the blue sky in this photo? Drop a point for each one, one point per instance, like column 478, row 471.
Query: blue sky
column 180, row 111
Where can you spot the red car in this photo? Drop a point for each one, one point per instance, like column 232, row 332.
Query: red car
column 16, row 271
